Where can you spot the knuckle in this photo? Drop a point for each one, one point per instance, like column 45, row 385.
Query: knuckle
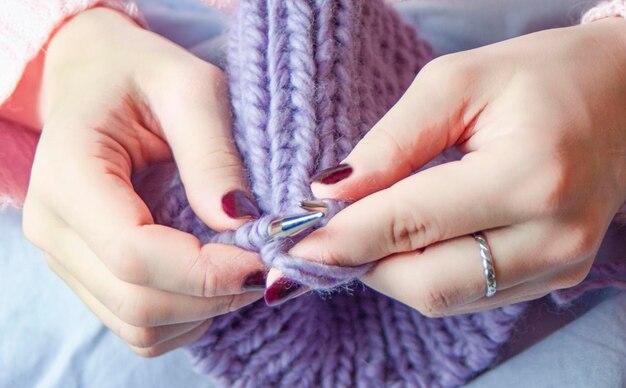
column 406, row 232
column 150, row 352
column 583, row 242
column 570, row 278
column 387, row 139
column 555, row 189
column 210, row 285
column 204, row 266
column 579, row 243
column 218, row 158
column 433, row 302
column 136, row 310
column 449, row 72
column 140, row 337
column 329, row 255
column 124, row 262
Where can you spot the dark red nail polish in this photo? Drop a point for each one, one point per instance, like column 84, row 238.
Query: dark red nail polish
column 255, row 282
column 237, row 204
column 333, row 175
column 282, row 290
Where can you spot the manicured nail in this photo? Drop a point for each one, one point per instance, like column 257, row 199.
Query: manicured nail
column 283, row 290
column 237, row 204
column 333, row 175
column 254, row 282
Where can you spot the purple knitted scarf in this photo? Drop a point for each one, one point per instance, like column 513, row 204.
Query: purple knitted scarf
column 308, row 78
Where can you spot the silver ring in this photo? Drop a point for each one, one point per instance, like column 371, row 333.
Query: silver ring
column 487, row 259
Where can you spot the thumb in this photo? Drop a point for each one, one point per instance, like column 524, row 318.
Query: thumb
column 197, row 127
column 431, row 116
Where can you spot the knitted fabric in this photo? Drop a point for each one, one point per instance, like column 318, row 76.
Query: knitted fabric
column 308, row 78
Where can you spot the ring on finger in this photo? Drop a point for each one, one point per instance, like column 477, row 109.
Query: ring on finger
column 488, row 264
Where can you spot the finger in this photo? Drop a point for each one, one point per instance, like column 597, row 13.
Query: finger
column 174, row 343
column 450, row 273
column 272, row 276
column 137, row 305
column 440, row 203
column 197, row 126
column 110, row 216
column 280, row 288
column 431, row 116
column 139, row 337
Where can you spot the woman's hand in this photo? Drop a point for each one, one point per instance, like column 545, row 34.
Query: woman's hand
column 542, row 123
column 117, row 99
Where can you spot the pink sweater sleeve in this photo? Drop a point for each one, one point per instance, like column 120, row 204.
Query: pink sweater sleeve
column 614, row 8
column 25, row 26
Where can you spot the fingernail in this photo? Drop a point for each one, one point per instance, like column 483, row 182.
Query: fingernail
column 254, row 282
column 333, row 175
column 283, row 290
column 237, row 204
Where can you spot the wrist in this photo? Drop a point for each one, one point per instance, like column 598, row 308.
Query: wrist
column 24, row 105
column 85, row 50
column 85, row 33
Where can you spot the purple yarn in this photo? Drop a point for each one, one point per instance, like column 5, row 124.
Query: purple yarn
column 308, row 78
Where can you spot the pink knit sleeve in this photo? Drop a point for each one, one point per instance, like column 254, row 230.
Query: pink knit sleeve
column 17, row 150
column 606, row 9
column 613, row 8
column 25, row 26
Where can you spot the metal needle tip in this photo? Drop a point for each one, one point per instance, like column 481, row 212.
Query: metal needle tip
column 291, row 226
column 314, row 206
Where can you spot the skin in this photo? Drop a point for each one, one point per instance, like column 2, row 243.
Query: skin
column 542, row 124
column 116, row 99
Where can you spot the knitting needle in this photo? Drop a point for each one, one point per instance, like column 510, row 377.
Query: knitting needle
column 291, row 226
column 314, row 206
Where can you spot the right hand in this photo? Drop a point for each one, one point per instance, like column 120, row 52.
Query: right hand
column 116, row 99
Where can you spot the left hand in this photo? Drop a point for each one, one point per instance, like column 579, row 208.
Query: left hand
column 542, row 123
